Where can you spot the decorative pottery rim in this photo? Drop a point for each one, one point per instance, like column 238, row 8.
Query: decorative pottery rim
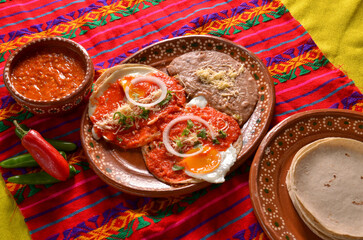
column 268, row 192
column 158, row 55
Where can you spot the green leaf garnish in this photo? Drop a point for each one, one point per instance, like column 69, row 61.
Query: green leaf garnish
column 202, row 133
column 123, row 119
column 222, row 134
column 190, row 124
column 178, row 143
column 185, row 132
column 216, row 141
column 177, row 168
column 145, row 113
column 118, row 114
column 166, row 99
column 197, row 144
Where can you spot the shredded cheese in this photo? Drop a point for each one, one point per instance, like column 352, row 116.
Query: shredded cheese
column 186, row 142
column 237, row 117
column 220, row 79
column 111, row 121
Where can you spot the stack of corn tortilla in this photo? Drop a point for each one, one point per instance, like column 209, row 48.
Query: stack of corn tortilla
column 325, row 184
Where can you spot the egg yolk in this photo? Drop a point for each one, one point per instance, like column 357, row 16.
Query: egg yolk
column 139, row 90
column 204, row 162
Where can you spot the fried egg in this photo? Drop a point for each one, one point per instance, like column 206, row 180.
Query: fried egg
column 210, row 164
column 199, row 101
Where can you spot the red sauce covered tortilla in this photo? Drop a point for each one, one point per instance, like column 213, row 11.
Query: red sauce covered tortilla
column 142, row 130
column 160, row 162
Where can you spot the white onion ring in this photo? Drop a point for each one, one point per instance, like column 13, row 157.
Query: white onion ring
column 155, row 80
column 166, row 132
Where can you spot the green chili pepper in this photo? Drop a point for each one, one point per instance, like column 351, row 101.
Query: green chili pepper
column 39, row 177
column 58, row 144
column 24, row 160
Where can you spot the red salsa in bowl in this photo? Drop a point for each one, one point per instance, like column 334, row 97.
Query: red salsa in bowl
column 49, row 76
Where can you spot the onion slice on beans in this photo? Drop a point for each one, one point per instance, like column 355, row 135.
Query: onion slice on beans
column 151, row 79
column 166, row 139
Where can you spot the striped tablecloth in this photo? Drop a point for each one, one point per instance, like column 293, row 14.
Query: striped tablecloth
column 87, row 208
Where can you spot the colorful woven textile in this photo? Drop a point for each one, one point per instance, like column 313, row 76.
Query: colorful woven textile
column 339, row 35
column 87, row 208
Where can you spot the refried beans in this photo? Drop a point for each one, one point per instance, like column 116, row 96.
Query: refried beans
column 231, row 90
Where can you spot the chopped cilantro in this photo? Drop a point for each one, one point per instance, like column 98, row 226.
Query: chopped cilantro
column 119, row 139
column 178, row 143
column 166, row 99
column 202, row 133
column 197, row 144
column 123, row 120
column 177, row 167
column 216, row 141
column 222, row 134
column 190, row 124
column 118, row 114
column 128, row 125
column 145, row 113
column 185, row 132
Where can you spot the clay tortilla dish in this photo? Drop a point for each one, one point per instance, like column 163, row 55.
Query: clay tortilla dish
column 269, row 195
column 126, row 171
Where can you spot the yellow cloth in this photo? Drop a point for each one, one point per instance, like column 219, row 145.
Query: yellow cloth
column 335, row 26
column 12, row 225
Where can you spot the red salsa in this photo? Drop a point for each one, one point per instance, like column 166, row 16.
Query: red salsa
column 48, row 74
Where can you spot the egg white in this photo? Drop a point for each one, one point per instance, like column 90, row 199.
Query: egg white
column 228, row 157
column 199, row 101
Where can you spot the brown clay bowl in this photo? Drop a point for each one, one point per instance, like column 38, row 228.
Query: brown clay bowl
column 269, row 195
column 62, row 104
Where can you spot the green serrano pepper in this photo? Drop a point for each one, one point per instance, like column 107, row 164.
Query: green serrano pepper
column 24, row 160
column 39, row 177
column 57, row 144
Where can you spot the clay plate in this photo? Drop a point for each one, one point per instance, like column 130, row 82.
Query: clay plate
column 125, row 170
column 270, row 199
